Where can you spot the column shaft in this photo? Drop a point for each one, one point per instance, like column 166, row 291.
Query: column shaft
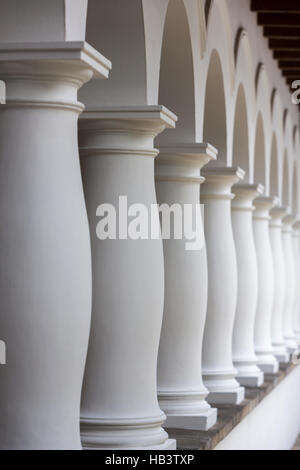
column 278, row 343
column 244, row 358
column 218, row 371
column 45, row 279
column 288, row 248
column 119, row 403
column 296, row 249
column 262, row 336
column 180, row 387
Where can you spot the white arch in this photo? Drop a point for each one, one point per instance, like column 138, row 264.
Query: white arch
column 277, row 132
column 130, row 33
column 263, row 109
column 241, row 144
column 177, row 77
column 287, row 190
column 219, row 44
column 260, row 151
column 244, row 77
column 286, row 182
column 275, row 167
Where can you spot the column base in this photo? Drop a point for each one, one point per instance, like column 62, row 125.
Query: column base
column 249, row 375
column 252, row 380
column 269, row 368
column 223, row 387
column 135, row 434
column 291, row 344
column 281, row 353
column 227, row 398
column 202, row 422
column 267, row 361
column 170, row 444
column 283, row 358
column 187, row 409
column 292, row 349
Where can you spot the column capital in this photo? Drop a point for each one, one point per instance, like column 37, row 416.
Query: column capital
column 219, row 181
column 263, row 205
column 133, row 129
column 245, row 195
column 296, row 228
column 33, row 57
column 288, row 222
column 182, row 163
column 48, row 75
column 277, row 214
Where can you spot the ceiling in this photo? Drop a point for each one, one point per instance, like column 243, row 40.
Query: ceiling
column 281, row 25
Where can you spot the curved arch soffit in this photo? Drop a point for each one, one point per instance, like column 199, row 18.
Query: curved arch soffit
column 241, row 154
column 274, row 170
column 177, row 79
column 260, row 152
column 215, row 123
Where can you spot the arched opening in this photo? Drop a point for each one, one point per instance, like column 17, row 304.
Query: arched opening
column 295, row 190
column 285, row 181
column 274, row 175
column 116, row 28
column 176, row 87
column 260, row 154
column 207, row 7
column 215, row 128
column 240, row 135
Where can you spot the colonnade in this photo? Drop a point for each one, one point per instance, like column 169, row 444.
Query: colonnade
column 141, row 334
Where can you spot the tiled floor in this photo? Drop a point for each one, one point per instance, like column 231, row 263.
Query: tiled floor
column 297, row 444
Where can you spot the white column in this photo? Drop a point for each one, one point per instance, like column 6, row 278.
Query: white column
column 278, row 343
column 244, row 358
column 296, row 248
column 218, row 371
column 119, row 404
column 262, row 333
column 45, row 270
column 288, row 249
column 181, row 391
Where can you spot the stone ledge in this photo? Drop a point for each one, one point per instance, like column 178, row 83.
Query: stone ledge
column 229, row 416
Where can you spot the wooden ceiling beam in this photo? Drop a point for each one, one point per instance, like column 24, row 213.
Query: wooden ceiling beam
column 289, row 65
column 275, row 5
column 278, row 19
column 285, row 44
column 287, row 55
column 291, row 74
column 282, row 32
